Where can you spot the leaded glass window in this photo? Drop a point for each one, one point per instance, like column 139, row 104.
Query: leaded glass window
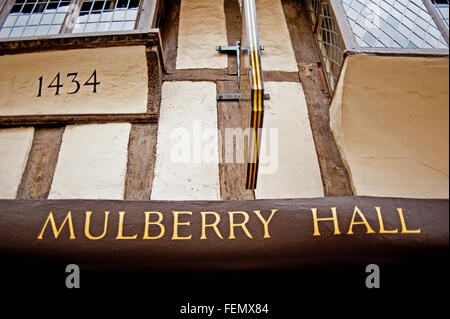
column 31, row 18
column 393, row 24
column 34, row 18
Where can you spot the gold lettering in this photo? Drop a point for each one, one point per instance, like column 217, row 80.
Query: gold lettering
column 363, row 222
column 404, row 229
column 380, row 220
column 213, row 225
column 176, row 223
column 158, row 222
column 120, row 234
column 265, row 222
column 242, row 225
column 56, row 231
column 317, row 220
column 87, row 224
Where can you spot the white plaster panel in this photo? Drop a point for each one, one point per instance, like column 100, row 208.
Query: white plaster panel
column 298, row 174
column 390, row 118
column 92, row 162
column 15, row 145
column 278, row 54
column 202, row 27
column 187, row 146
column 121, row 71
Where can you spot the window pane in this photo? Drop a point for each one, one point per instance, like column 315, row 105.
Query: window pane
column 129, row 25
column 131, row 15
column 54, row 29
column 4, row 33
column 94, row 17
column 442, row 7
column 116, row 26
column 44, row 17
column 134, row 4
column 91, row 27
column 34, row 18
column 10, row 21
column 122, row 4
column 107, row 15
column 29, row 31
column 103, row 26
column 42, row 30
column 98, row 5
column 394, row 23
column 16, row 8
column 16, row 32
column 47, row 19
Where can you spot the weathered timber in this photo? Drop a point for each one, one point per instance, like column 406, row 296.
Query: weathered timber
column 67, row 119
column 141, row 161
column 281, row 76
column 40, row 168
column 335, row 178
column 232, row 175
column 200, row 75
column 233, row 22
column 302, row 37
column 169, row 23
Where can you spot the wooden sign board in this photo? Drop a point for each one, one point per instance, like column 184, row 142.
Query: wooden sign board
column 210, row 235
column 79, row 81
column 251, row 89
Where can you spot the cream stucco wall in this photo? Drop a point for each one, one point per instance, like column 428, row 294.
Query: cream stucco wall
column 298, row 174
column 121, row 71
column 202, row 28
column 187, row 147
column 15, row 145
column 92, row 162
column 278, row 54
column 390, row 118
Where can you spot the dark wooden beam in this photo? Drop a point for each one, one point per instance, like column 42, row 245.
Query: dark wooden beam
column 154, row 67
column 335, row 177
column 76, row 41
column 168, row 26
column 141, row 161
column 232, row 175
column 199, row 75
column 54, row 120
column 300, row 31
column 233, row 22
column 223, row 75
column 281, row 76
column 38, row 175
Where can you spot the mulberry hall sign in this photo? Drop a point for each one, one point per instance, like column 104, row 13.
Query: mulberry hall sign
column 224, row 234
column 174, row 223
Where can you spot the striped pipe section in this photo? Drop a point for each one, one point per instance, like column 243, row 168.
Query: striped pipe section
column 256, row 88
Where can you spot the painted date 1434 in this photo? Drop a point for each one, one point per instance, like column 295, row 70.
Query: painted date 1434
column 56, row 83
